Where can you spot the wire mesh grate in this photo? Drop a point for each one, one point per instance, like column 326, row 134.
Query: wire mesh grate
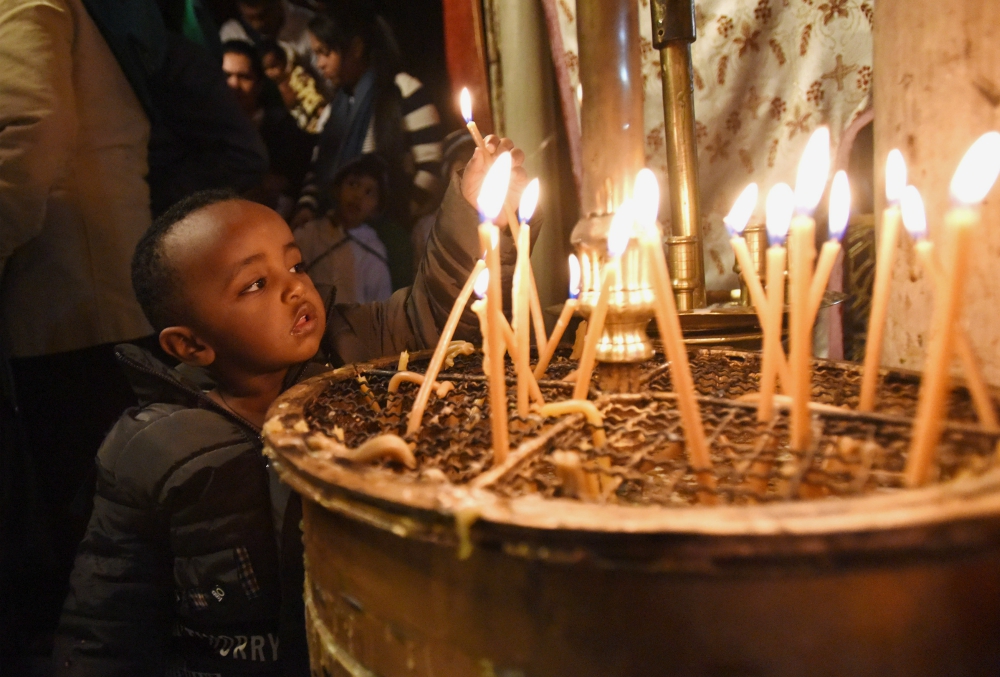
column 643, row 461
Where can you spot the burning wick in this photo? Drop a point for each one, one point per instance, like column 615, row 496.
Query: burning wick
column 465, row 103
column 779, row 207
column 975, row 176
column 491, row 198
column 564, row 317
column 916, row 222
column 839, row 214
column 810, row 180
column 647, row 192
column 895, row 185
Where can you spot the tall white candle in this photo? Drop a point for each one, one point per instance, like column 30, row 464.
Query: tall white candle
column 814, row 167
column 779, row 207
column 895, row 182
column 973, row 179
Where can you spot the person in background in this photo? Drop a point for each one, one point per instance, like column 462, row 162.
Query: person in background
column 456, row 151
column 277, row 20
column 377, row 108
column 297, row 82
column 73, row 204
column 289, row 148
column 342, row 253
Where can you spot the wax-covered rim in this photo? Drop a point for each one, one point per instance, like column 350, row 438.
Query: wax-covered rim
column 377, row 496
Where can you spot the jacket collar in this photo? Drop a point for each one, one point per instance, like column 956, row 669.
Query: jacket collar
column 154, row 382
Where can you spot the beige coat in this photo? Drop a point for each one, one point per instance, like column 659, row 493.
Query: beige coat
column 73, row 195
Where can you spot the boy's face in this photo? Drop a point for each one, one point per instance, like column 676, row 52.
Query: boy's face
column 357, row 201
column 247, row 295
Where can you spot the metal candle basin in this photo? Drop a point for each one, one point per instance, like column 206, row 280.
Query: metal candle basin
column 898, row 583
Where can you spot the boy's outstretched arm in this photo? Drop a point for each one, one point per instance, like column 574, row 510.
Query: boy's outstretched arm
column 412, row 317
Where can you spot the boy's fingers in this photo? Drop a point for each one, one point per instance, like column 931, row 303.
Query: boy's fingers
column 516, row 157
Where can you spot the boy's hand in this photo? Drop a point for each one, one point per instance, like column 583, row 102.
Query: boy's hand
column 475, row 173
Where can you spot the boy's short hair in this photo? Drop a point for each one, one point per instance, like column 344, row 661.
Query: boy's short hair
column 364, row 165
column 249, row 51
column 154, row 279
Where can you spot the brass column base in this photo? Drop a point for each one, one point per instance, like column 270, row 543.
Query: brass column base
column 619, row 378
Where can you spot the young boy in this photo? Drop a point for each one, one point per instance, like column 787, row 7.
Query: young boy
column 189, row 565
column 342, row 253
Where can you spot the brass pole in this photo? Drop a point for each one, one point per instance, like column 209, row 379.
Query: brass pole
column 673, row 33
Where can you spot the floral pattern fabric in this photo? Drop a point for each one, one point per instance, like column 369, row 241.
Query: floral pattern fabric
column 766, row 74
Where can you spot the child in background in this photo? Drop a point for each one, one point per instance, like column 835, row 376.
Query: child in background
column 342, row 253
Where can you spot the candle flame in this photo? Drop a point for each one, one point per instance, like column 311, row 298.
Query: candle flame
column 840, row 205
column 978, row 170
column 646, row 198
column 482, row 283
column 814, row 168
column 579, row 94
column 914, row 216
column 621, row 230
column 738, row 217
column 465, row 103
column 779, row 207
column 494, row 190
column 895, row 176
column 574, row 276
column 529, row 200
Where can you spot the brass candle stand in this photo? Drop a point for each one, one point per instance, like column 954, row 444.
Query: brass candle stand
column 755, row 235
column 630, row 306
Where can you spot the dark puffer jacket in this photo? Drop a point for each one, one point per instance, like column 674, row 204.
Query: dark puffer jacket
column 191, row 541
column 179, row 565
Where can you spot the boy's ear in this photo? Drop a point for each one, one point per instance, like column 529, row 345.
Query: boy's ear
column 183, row 344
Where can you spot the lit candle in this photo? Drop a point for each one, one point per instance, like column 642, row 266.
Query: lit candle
column 491, row 196
column 779, row 207
column 479, row 308
column 618, row 238
column 895, row 182
column 814, row 167
column 973, row 179
column 647, row 193
column 837, row 217
column 520, row 295
column 529, row 200
column 915, row 221
column 564, row 317
column 465, row 103
column 491, row 200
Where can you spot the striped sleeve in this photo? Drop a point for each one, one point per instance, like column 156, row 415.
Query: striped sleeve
column 423, row 132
